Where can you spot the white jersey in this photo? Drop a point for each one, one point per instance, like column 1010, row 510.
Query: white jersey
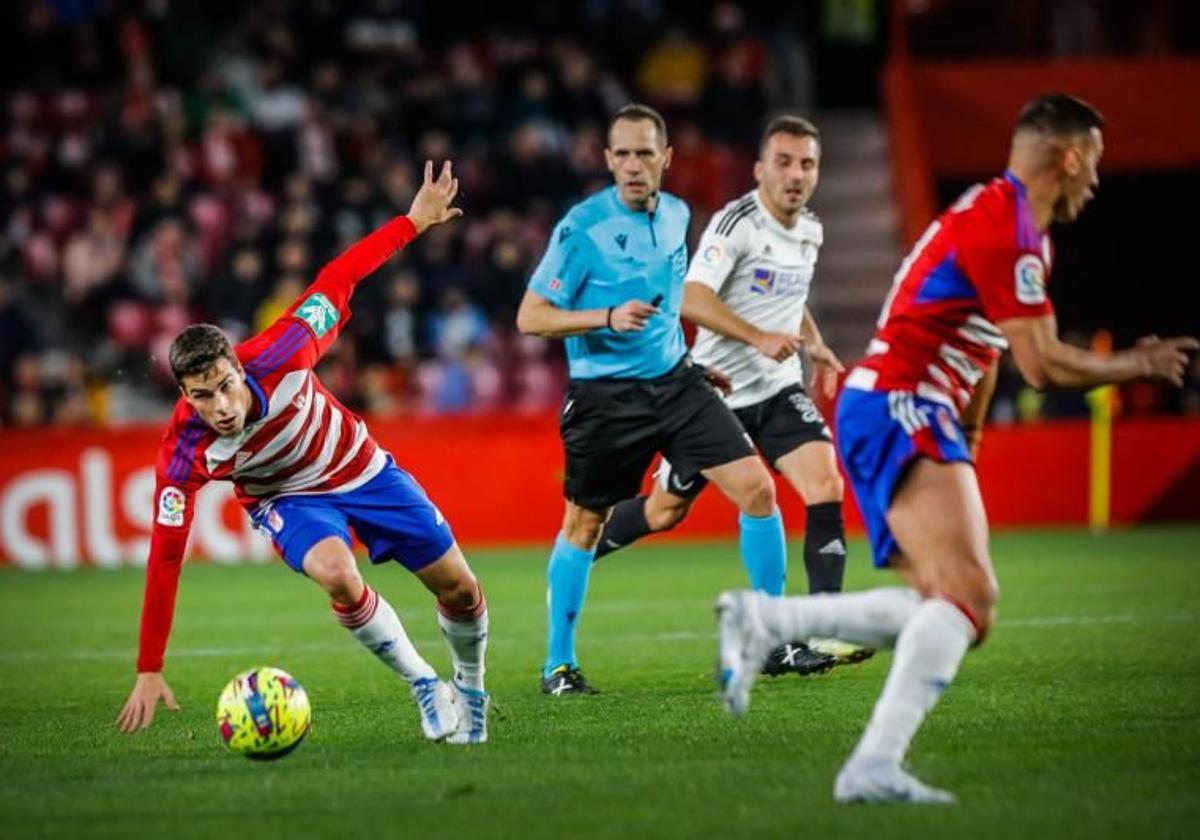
column 762, row 271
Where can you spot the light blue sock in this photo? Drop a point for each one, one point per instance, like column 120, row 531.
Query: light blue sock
column 567, row 577
column 764, row 551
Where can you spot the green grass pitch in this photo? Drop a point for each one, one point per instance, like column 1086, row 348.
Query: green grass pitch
column 1078, row 718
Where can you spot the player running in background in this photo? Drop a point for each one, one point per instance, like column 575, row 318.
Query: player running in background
column 309, row 474
column 907, row 423
column 633, row 391
column 746, row 290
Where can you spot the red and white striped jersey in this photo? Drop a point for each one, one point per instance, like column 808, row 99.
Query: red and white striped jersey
column 981, row 262
column 298, row 439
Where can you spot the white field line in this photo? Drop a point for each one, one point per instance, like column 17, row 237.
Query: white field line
column 670, row 636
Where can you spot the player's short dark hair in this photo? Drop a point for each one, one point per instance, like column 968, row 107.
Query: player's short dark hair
column 197, row 349
column 788, row 124
column 637, row 111
column 1060, row 115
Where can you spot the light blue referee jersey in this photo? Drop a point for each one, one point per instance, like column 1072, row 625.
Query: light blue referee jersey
column 602, row 254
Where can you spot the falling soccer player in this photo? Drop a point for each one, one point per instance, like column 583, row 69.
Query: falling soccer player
column 908, row 426
column 309, row 474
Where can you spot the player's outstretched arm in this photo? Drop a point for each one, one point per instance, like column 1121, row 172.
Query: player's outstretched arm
column 148, row 690
column 703, row 307
column 1045, row 361
column 538, row 315
column 432, row 203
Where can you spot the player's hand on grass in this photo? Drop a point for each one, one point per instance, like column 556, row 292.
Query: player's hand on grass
column 777, row 346
column 827, row 367
column 1166, row 358
column 630, row 316
column 431, row 204
column 143, row 701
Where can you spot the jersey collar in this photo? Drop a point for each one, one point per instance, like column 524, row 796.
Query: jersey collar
column 615, row 197
column 770, row 217
column 1012, row 178
column 260, row 397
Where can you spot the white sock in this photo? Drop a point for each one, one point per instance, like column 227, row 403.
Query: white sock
column 466, row 634
column 375, row 624
column 873, row 618
column 928, row 653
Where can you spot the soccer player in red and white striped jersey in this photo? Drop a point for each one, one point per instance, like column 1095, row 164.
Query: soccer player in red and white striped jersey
column 908, row 427
column 309, row 474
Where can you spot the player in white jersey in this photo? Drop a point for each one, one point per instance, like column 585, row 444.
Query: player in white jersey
column 747, row 290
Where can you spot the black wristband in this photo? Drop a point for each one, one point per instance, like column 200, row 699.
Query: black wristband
column 608, row 317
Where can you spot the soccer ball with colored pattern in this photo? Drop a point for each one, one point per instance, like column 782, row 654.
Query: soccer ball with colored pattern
column 263, row 713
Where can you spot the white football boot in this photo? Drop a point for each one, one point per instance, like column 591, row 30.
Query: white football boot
column 883, row 781
column 436, row 705
column 471, row 706
column 743, row 645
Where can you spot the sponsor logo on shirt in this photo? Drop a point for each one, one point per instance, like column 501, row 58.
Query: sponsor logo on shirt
column 763, row 281
column 1030, row 273
column 767, row 281
column 319, row 314
column 621, row 239
column 171, row 506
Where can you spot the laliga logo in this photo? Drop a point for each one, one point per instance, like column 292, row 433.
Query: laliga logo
column 1031, row 280
column 81, row 522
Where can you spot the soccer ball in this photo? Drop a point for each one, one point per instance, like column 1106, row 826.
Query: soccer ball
column 263, row 713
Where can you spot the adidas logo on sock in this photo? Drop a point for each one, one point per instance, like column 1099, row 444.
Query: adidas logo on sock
column 834, row 546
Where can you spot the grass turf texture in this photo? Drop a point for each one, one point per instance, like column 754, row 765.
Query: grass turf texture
column 1076, row 719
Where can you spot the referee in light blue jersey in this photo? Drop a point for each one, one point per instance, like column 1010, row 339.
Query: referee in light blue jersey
column 611, row 284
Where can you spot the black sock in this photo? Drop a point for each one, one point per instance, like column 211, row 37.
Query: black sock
column 627, row 524
column 825, row 547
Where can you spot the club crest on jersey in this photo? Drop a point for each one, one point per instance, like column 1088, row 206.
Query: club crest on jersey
column 555, row 285
column 275, row 521
column 1030, row 273
column 171, row 506
column 319, row 314
column 241, row 458
column 946, row 423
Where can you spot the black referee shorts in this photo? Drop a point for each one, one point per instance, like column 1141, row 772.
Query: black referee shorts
column 612, row 429
column 777, row 425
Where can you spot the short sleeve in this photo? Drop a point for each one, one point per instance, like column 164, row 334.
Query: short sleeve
column 1010, row 279
column 564, row 267
column 717, row 254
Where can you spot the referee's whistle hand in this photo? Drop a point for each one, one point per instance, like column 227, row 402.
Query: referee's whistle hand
column 632, row 315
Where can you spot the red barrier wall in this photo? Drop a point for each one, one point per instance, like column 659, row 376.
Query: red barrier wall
column 69, row 498
column 954, row 119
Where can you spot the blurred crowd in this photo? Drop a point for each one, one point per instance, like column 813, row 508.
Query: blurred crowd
column 165, row 162
column 168, row 162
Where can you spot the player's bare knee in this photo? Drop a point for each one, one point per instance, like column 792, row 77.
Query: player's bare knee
column 336, row 572
column 462, row 593
column 827, row 487
column 583, row 532
column 758, row 499
column 666, row 517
